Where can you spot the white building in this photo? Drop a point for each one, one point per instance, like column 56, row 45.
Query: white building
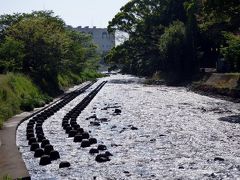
column 101, row 37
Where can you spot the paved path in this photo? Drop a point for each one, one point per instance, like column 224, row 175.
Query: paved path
column 11, row 162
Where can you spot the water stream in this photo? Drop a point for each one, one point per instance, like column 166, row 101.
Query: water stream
column 161, row 133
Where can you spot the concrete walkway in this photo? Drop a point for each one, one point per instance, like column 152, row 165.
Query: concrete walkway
column 11, row 162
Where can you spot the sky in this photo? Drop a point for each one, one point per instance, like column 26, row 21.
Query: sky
column 73, row 12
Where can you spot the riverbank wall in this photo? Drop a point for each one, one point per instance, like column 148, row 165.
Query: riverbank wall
column 222, row 84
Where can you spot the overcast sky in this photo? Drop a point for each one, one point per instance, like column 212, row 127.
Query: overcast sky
column 73, row 12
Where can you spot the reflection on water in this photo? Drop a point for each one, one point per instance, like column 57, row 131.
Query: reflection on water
column 161, row 133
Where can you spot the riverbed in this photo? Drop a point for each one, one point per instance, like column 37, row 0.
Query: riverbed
column 161, row 133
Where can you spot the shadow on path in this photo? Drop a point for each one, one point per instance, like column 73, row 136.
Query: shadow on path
column 231, row 119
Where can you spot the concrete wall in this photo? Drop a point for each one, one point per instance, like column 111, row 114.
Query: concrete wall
column 101, row 37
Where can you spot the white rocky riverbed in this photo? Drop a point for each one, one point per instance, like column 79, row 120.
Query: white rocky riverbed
column 161, row 133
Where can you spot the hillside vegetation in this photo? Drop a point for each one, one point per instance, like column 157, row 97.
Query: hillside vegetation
column 43, row 56
column 176, row 38
column 18, row 93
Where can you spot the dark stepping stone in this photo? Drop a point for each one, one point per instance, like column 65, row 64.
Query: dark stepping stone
column 93, row 151
column 34, row 146
column 102, row 147
column 44, row 143
column 64, row 164
column 30, row 126
column 64, row 122
column 68, row 129
column 218, row 159
column 78, row 138
column 54, row 155
column 85, row 135
column 93, row 140
column 107, row 153
column 80, row 130
column 38, row 153
column 117, row 111
column 47, row 149
column 73, row 123
column 102, row 158
column 45, row 160
column 85, row 143
column 95, row 123
column 65, row 126
column 32, row 140
column 103, row 119
column 76, row 126
column 41, row 138
column 28, row 131
column 72, row 133
column 29, row 135
column 134, row 128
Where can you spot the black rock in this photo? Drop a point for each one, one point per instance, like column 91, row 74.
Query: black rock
column 29, row 135
column 41, row 138
column 93, row 140
column 117, row 111
column 102, row 158
column 38, row 153
column 93, row 151
column 134, row 128
column 94, row 123
column 107, row 153
column 65, row 126
column 68, row 129
column 48, row 148
column 44, row 143
column 85, row 135
column 85, row 143
column 72, row 133
column 32, row 140
column 80, row 130
column 34, row 146
column 78, row 138
column 102, row 147
column 54, row 155
column 218, row 159
column 64, row 164
column 103, row 119
column 76, row 126
column 45, row 160
column 30, row 131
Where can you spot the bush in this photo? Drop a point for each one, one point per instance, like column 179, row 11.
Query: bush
column 232, row 51
column 18, row 93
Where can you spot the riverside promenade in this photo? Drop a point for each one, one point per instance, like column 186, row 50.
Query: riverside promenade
column 11, row 163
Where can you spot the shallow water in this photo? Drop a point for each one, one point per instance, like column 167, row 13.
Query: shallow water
column 161, row 133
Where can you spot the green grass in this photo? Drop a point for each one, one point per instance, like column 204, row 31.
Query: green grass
column 5, row 177
column 18, row 93
column 69, row 79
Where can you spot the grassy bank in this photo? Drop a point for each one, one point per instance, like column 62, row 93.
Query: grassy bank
column 223, row 84
column 18, row 93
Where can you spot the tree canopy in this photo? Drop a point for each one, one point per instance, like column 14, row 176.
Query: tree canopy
column 174, row 37
column 40, row 45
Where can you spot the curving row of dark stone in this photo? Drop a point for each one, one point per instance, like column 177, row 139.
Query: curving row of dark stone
column 73, row 129
column 34, row 131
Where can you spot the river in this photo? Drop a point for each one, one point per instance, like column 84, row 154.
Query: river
column 161, row 133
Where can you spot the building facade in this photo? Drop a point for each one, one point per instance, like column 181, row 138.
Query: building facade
column 101, row 37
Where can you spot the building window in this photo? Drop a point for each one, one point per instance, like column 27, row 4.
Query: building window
column 104, row 35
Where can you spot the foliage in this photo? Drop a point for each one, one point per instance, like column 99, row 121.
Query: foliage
column 232, row 51
column 171, row 46
column 147, row 24
column 174, row 37
column 17, row 92
column 40, row 46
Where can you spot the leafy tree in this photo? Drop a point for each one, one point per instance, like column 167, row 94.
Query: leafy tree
column 40, row 45
column 232, row 51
